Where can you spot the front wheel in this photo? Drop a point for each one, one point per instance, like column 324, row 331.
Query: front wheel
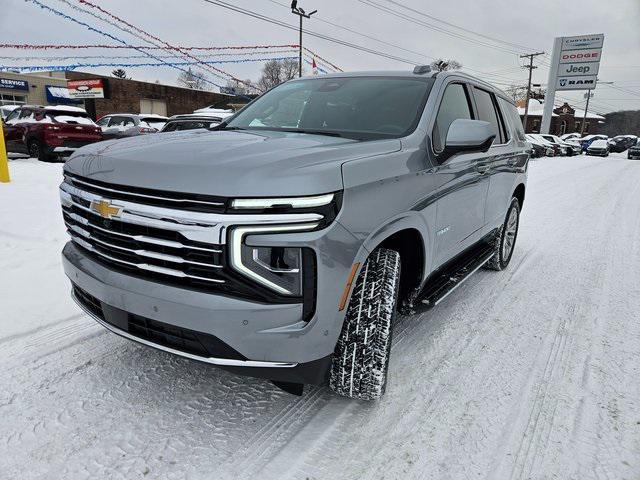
column 361, row 357
column 505, row 240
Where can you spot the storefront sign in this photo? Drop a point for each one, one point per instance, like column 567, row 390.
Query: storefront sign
column 93, row 88
column 11, row 84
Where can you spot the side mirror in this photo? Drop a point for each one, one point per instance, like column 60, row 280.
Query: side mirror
column 467, row 136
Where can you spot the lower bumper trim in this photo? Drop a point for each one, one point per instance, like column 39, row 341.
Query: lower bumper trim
column 222, row 362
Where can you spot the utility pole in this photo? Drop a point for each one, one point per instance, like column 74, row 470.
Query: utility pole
column 588, row 94
column 530, row 67
column 302, row 14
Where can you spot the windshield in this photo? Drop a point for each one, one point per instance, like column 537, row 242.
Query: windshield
column 363, row 108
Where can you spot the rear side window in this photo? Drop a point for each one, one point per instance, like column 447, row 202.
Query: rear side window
column 487, row 112
column 510, row 113
column 454, row 105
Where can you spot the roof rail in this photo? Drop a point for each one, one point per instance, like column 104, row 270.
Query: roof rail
column 421, row 69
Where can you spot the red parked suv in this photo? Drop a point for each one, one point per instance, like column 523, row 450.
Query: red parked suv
column 49, row 132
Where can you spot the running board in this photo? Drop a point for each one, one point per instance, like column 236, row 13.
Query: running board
column 451, row 276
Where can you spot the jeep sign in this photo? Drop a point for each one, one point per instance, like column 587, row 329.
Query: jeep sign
column 573, row 69
column 586, row 82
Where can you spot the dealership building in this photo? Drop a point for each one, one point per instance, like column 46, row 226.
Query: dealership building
column 48, row 88
column 101, row 95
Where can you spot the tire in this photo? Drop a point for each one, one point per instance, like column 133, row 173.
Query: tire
column 361, row 357
column 505, row 240
column 36, row 151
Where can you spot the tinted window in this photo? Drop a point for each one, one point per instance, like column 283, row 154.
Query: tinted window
column 510, row 112
column 487, row 112
column 353, row 107
column 454, row 105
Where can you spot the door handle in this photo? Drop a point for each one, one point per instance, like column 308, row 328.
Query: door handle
column 482, row 168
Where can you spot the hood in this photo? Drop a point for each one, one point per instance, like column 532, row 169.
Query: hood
column 226, row 163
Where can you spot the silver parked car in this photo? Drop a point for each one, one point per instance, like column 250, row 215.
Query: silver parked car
column 120, row 125
column 281, row 243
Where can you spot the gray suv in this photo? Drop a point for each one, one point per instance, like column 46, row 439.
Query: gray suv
column 282, row 242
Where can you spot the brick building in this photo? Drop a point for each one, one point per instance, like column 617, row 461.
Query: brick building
column 565, row 119
column 131, row 96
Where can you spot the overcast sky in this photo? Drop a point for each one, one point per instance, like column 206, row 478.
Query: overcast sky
column 530, row 25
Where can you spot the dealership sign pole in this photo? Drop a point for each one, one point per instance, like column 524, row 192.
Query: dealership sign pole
column 575, row 62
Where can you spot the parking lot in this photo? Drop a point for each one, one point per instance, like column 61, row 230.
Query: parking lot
column 530, row 373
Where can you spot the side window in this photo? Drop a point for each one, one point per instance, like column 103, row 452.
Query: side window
column 170, row 127
column 13, row 116
column 510, row 111
column 487, row 112
column 103, row 121
column 454, row 105
column 25, row 113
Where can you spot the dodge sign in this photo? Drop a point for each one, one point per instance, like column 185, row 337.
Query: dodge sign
column 93, row 88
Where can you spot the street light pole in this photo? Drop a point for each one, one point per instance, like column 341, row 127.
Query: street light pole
column 302, row 14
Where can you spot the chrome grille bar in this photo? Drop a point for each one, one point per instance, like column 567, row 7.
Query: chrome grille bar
column 142, row 266
column 139, row 238
column 142, row 253
column 75, row 180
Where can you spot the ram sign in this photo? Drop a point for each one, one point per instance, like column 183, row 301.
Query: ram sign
column 576, row 83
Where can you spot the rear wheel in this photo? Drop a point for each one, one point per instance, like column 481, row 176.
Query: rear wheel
column 37, row 151
column 361, row 357
column 505, row 240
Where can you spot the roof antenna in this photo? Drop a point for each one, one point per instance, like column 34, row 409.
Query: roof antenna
column 421, row 69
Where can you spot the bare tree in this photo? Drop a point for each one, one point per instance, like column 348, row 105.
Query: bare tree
column 195, row 81
column 275, row 72
column 442, row 65
column 119, row 73
column 517, row 92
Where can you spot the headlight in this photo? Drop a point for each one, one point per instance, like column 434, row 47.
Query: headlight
column 280, row 269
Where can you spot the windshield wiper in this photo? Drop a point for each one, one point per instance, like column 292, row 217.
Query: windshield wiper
column 311, row 132
column 224, row 126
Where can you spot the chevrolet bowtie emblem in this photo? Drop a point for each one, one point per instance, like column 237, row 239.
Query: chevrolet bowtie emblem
column 105, row 209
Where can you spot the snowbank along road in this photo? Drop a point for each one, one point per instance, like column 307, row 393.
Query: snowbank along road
column 530, row 373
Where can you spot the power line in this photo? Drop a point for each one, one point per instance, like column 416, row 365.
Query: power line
column 494, row 39
column 321, row 36
column 430, row 26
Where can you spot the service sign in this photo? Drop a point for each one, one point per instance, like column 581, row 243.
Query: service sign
column 93, row 88
column 578, row 69
column 575, row 56
column 11, row 84
column 583, row 41
column 586, row 82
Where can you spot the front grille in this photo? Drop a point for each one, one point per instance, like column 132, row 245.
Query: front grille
column 147, row 245
column 143, row 249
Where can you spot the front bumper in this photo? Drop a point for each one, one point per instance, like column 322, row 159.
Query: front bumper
column 272, row 339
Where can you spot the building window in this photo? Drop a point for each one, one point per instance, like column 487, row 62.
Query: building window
column 577, row 127
column 8, row 99
column 586, row 127
column 148, row 105
column 536, row 126
column 563, row 127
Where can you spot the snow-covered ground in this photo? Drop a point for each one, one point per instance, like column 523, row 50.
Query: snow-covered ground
column 530, row 373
